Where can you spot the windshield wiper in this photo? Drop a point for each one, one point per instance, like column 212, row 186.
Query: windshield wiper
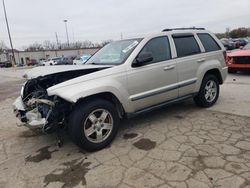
column 97, row 63
column 93, row 63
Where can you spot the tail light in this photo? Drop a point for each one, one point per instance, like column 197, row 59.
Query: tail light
column 225, row 56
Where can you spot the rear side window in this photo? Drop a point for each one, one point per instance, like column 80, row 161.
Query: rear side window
column 160, row 49
column 186, row 45
column 208, row 42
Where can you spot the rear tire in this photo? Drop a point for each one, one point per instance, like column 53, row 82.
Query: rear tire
column 209, row 92
column 94, row 124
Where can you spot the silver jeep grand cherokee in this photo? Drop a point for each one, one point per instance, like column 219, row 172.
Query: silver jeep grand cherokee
column 123, row 79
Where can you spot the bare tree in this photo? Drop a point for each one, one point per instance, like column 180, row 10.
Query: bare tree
column 48, row 45
column 104, row 43
column 3, row 46
column 87, row 44
column 34, row 47
column 239, row 32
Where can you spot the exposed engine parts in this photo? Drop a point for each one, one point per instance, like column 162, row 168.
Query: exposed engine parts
column 35, row 101
column 42, row 111
column 37, row 109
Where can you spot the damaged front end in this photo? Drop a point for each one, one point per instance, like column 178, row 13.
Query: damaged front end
column 35, row 108
column 42, row 111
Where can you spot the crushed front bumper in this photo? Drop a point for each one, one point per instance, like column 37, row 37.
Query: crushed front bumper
column 19, row 110
column 32, row 118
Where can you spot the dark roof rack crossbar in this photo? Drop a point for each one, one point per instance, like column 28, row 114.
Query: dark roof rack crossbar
column 188, row 28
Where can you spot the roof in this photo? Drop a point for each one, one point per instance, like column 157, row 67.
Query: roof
column 176, row 31
column 183, row 28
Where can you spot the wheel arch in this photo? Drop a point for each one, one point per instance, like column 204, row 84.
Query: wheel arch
column 202, row 74
column 216, row 73
column 105, row 96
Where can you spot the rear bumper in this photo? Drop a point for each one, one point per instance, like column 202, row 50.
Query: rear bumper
column 224, row 73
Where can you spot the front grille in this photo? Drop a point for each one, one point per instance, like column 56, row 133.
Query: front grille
column 242, row 60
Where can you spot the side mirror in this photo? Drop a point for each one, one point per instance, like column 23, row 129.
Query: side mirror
column 143, row 58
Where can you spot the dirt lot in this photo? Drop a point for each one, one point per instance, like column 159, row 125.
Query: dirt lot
column 178, row 146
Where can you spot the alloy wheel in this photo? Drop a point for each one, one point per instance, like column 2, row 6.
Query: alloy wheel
column 98, row 125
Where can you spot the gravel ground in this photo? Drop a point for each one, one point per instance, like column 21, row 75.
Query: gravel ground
column 178, row 146
column 10, row 89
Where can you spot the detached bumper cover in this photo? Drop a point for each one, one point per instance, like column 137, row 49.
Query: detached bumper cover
column 32, row 118
column 18, row 104
column 19, row 110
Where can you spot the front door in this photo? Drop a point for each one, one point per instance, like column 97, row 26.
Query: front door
column 156, row 81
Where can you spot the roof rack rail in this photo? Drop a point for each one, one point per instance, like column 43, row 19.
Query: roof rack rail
column 184, row 28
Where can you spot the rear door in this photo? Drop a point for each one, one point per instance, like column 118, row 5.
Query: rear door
column 189, row 58
column 212, row 50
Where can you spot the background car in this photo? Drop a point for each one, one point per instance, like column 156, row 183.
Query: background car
column 229, row 45
column 81, row 60
column 68, row 60
column 239, row 60
column 41, row 61
column 51, row 61
column 239, row 42
column 5, row 64
column 243, row 42
column 32, row 62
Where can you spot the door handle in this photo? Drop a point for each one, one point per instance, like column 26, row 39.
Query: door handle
column 170, row 67
column 201, row 60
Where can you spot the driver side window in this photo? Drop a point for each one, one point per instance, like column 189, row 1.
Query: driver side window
column 159, row 48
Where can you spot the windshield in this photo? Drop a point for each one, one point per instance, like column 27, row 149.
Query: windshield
column 114, row 53
column 247, row 47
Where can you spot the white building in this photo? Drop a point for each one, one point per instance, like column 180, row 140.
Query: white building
column 23, row 56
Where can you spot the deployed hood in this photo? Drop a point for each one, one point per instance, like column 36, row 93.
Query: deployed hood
column 239, row 53
column 49, row 70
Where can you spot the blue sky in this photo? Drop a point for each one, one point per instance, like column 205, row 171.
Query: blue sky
column 97, row 20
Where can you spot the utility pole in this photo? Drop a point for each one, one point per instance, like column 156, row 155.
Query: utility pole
column 7, row 24
column 57, row 41
column 73, row 35
column 65, row 21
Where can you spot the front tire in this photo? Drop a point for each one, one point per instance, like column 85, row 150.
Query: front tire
column 209, row 91
column 94, row 124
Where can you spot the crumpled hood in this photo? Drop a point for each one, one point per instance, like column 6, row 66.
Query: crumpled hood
column 47, row 70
